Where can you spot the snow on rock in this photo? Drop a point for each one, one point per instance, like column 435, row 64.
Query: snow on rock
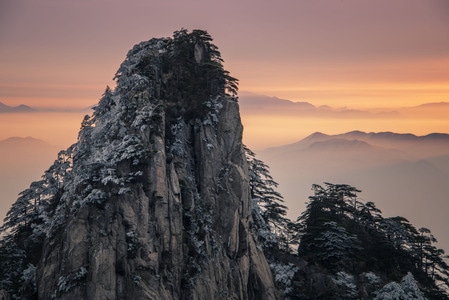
column 407, row 289
column 142, row 214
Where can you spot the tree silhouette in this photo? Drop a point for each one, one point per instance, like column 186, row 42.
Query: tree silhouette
column 269, row 212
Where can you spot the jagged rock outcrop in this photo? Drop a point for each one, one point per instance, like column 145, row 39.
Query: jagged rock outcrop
column 155, row 204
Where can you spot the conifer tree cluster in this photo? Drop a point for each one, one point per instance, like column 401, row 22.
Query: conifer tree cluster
column 359, row 253
column 339, row 233
column 27, row 223
column 269, row 212
column 191, row 73
column 181, row 78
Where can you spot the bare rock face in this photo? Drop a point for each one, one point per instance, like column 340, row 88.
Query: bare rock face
column 156, row 204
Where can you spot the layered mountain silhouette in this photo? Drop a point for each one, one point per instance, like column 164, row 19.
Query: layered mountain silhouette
column 252, row 103
column 152, row 201
column 404, row 173
column 160, row 199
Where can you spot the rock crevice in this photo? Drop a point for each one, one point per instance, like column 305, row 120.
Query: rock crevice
column 157, row 204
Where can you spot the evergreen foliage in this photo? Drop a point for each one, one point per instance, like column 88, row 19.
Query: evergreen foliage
column 192, row 73
column 346, row 249
column 338, row 233
column 273, row 228
column 26, row 225
column 162, row 82
column 275, row 233
column 406, row 289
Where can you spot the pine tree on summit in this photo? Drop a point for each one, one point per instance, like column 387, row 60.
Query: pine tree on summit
column 152, row 201
column 192, row 74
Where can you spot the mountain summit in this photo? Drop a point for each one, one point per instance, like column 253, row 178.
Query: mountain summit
column 152, row 202
column 159, row 199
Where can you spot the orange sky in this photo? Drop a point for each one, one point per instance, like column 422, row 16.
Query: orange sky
column 342, row 53
column 394, row 84
column 339, row 52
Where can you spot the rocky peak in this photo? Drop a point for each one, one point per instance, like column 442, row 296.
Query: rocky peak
column 153, row 201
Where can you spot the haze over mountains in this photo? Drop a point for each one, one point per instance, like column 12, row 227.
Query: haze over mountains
column 251, row 103
column 22, row 108
column 15, row 109
column 22, row 161
column 403, row 174
column 270, row 121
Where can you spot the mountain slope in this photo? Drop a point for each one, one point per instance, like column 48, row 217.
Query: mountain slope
column 405, row 174
column 152, row 202
column 22, row 161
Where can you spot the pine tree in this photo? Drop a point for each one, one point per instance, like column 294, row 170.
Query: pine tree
column 193, row 73
column 269, row 212
column 406, row 289
column 324, row 226
column 338, row 232
column 26, row 226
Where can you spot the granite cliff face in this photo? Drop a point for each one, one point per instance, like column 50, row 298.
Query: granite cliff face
column 159, row 199
column 155, row 203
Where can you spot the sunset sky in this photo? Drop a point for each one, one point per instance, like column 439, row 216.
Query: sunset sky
column 355, row 53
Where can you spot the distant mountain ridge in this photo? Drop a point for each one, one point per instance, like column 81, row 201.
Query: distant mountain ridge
column 259, row 101
column 340, row 144
column 434, row 143
column 21, row 141
column 406, row 173
column 19, row 108
column 251, row 103
column 434, row 105
column 22, row 108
